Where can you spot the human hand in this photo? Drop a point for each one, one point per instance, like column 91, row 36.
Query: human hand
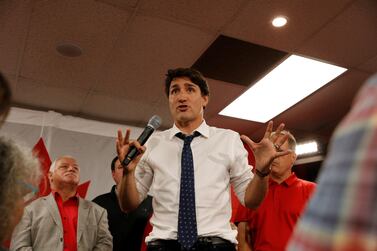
column 266, row 150
column 123, row 146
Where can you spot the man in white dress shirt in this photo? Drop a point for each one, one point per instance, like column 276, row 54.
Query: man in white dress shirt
column 219, row 159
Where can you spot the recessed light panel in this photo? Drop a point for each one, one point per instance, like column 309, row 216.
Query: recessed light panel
column 306, row 148
column 290, row 82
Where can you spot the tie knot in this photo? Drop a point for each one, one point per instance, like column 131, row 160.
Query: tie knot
column 187, row 138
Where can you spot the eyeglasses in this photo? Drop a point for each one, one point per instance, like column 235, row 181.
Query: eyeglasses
column 31, row 191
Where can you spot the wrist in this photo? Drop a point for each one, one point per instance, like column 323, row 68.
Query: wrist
column 262, row 174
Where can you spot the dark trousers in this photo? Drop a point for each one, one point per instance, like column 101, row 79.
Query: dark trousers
column 203, row 244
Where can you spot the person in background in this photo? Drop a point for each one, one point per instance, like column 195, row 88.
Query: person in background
column 62, row 220
column 19, row 176
column 127, row 229
column 188, row 170
column 270, row 226
column 342, row 214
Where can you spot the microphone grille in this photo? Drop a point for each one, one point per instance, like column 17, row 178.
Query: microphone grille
column 155, row 122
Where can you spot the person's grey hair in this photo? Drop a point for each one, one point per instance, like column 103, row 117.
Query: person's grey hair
column 53, row 164
column 291, row 139
column 17, row 166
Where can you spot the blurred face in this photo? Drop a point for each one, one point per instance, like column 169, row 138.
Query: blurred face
column 281, row 166
column 66, row 172
column 186, row 101
column 118, row 172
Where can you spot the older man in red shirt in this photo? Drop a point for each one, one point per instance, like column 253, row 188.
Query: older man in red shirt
column 269, row 227
column 63, row 220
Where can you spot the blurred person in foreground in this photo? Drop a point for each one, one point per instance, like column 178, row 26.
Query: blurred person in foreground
column 269, row 227
column 342, row 214
column 62, row 220
column 19, row 177
column 127, row 229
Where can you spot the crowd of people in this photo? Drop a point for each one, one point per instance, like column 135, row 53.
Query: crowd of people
column 180, row 182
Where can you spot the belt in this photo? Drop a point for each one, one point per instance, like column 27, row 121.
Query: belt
column 210, row 240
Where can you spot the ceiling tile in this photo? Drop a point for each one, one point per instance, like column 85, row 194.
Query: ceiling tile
column 92, row 26
column 370, row 65
column 206, row 14
column 14, row 18
column 107, row 108
column 232, row 60
column 143, row 54
column 350, row 39
column 305, row 17
column 123, row 4
column 34, row 95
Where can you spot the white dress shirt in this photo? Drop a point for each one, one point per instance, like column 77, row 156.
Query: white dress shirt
column 220, row 159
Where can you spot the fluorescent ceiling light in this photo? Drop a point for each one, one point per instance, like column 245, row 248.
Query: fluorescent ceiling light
column 290, row 82
column 305, row 148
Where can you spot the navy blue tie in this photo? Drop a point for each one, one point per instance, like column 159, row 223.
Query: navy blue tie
column 187, row 230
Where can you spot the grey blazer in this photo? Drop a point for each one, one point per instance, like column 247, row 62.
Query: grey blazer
column 41, row 227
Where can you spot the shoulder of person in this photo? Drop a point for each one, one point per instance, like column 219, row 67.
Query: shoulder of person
column 102, row 197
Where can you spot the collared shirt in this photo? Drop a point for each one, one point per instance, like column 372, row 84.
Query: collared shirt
column 272, row 224
column 342, row 214
column 69, row 213
column 219, row 159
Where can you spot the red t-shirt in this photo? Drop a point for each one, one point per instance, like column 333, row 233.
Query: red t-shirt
column 271, row 225
column 69, row 213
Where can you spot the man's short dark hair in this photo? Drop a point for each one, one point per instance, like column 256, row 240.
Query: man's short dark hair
column 195, row 76
column 113, row 163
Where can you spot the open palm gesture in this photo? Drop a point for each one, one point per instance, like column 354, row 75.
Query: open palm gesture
column 266, row 150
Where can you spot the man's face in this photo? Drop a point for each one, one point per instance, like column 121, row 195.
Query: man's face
column 118, row 172
column 66, row 171
column 281, row 166
column 186, row 101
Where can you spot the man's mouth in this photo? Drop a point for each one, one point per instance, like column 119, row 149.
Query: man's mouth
column 182, row 108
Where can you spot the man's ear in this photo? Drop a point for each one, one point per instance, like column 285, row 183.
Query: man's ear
column 50, row 177
column 294, row 157
column 206, row 100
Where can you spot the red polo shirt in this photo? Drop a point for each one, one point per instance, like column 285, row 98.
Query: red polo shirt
column 271, row 225
column 69, row 214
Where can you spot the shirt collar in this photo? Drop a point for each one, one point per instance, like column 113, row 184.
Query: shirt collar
column 287, row 182
column 57, row 195
column 203, row 129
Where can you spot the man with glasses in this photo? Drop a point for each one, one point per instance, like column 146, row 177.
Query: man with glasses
column 270, row 226
column 62, row 220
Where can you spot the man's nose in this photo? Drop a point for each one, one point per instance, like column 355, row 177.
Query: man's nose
column 182, row 97
column 71, row 167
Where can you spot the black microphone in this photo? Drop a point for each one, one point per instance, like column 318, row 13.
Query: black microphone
column 153, row 124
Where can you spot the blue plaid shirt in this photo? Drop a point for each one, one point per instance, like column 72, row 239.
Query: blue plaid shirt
column 342, row 214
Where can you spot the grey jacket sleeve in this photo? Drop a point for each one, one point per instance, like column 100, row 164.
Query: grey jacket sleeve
column 104, row 238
